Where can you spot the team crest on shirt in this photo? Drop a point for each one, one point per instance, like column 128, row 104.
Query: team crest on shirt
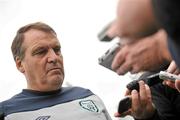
column 43, row 118
column 89, row 105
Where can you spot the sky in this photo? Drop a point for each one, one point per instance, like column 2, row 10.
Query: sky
column 77, row 23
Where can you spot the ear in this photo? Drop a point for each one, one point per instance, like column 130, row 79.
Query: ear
column 19, row 65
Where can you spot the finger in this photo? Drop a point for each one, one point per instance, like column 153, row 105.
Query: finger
column 112, row 30
column 135, row 69
column 118, row 59
column 124, row 68
column 116, row 114
column 177, row 71
column 148, row 93
column 177, row 85
column 135, row 100
column 127, row 40
column 170, row 84
column 172, row 67
column 164, row 82
column 150, row 106
column 123, row 114
column 142, row 93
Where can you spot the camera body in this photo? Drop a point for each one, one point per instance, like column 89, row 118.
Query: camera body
column 107, row 58
column 124, row 104
column 168, row 76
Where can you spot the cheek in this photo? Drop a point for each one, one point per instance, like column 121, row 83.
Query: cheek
column 35, row 69
column 40, row 68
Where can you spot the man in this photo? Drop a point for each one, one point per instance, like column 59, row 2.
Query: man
column 37, row 53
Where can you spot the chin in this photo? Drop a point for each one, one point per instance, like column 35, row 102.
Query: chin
column 56, row 80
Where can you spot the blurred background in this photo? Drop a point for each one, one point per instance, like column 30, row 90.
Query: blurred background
column 77, row 23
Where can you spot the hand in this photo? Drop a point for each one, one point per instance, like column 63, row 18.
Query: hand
column 146, row 54
column 142, row 106
column 135, row 19
column 174, row 70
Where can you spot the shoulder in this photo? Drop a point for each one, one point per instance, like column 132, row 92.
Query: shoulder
column 12, row 99
column 21, row 102
column 1, row 111
column 3, row 105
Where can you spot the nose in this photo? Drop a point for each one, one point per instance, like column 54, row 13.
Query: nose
column 52, row 56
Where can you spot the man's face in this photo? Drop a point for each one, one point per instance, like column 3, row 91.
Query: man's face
column 43, row 63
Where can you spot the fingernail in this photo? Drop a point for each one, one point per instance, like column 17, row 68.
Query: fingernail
column 134, row 92
column 116, row 114
column 120, row 72
column 141, row 82
column 146, row 86
column 164, row 83
column 133, row 71
column 113, row 67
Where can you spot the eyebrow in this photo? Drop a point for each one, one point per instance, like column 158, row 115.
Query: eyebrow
column 37, row 47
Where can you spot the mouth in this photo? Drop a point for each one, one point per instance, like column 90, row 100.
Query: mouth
column 56, row 70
